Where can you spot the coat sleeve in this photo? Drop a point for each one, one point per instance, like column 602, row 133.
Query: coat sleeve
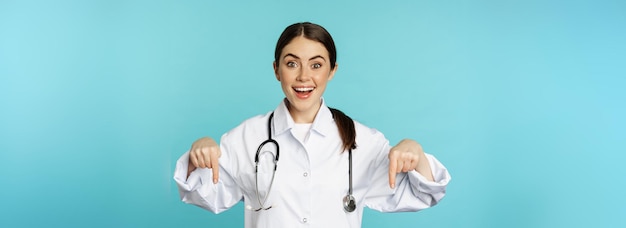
column 198, row 189
column 413, row 192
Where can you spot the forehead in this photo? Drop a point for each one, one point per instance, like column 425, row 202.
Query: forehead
column 305, row 48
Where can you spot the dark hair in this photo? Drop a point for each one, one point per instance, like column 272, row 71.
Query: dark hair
column 318, row 33
column 346, row 129
column 310, row 31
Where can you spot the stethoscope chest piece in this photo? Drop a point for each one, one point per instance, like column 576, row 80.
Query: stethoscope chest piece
column 349, row 204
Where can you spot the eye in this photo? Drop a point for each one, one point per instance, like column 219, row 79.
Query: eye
column 292, row 64
column 316, row 65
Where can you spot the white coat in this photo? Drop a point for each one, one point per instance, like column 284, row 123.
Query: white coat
column 311, row 178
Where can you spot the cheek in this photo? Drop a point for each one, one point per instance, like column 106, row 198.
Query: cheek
column 284, row 74
column 285, row 80
column 322, row 77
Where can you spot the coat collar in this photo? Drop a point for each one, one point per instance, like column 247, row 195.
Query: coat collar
column 283, row 121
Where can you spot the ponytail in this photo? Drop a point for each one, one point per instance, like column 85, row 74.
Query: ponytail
column 346, row 129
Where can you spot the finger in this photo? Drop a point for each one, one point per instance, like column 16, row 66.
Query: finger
column 413, row 165
column 400, row 166
column 200, row 158
column 206, row 154
column 407, row 163
column 193, row 159
column 392, row 170
column 215, row 166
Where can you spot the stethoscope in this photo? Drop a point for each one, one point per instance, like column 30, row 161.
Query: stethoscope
column 349, row 203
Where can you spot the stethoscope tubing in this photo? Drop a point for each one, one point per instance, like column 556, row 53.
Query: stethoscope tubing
column 348, row 201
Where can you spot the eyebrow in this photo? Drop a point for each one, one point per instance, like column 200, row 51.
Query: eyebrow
column 295, row 56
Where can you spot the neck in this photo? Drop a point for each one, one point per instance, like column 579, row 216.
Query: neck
column 303, row 116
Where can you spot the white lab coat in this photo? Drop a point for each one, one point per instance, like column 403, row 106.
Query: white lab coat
column 312, row 176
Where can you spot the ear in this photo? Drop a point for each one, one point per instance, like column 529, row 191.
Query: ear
column 274, row 64
column 331, row 75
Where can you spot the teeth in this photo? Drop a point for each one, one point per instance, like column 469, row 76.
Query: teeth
column 301, row 89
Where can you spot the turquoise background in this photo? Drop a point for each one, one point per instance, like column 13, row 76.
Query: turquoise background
column 523, row 101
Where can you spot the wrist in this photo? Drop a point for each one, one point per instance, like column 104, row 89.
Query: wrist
column 423, row 167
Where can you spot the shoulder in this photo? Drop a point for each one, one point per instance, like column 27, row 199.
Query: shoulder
column 368, row 136
column 250, row 125
column 364, row 130
column 372, row 143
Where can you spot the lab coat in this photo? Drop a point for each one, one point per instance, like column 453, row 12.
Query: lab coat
column 311, row 178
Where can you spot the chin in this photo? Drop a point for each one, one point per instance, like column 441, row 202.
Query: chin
column 304, row 105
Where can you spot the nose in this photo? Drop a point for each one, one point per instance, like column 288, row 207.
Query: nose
column 304, row 74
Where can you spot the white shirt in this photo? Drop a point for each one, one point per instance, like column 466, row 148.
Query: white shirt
column 311, row 178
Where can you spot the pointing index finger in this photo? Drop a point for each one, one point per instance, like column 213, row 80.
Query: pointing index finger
column 215, row 167
column 392, row 171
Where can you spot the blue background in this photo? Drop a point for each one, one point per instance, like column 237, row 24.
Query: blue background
column 523, row 101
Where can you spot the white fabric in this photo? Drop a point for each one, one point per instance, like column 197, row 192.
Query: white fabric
column 311, row 178
column 301, row 131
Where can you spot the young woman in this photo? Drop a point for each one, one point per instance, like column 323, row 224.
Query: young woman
column 305, row 164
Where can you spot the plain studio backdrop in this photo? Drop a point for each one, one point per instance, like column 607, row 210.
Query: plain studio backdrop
column 523, row 101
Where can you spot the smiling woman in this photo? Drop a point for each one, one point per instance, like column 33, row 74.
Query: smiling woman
column 310, row 187
column 308, row 58
column 303, row 73
column 523, row 101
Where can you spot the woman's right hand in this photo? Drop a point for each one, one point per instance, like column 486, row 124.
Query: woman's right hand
column 205, row 153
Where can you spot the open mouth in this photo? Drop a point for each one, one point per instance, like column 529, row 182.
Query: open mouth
column 303, row 92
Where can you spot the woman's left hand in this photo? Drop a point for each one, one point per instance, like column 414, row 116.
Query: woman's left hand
column 406, row 156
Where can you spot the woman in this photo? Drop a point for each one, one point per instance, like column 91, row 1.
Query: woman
column 323, row 168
